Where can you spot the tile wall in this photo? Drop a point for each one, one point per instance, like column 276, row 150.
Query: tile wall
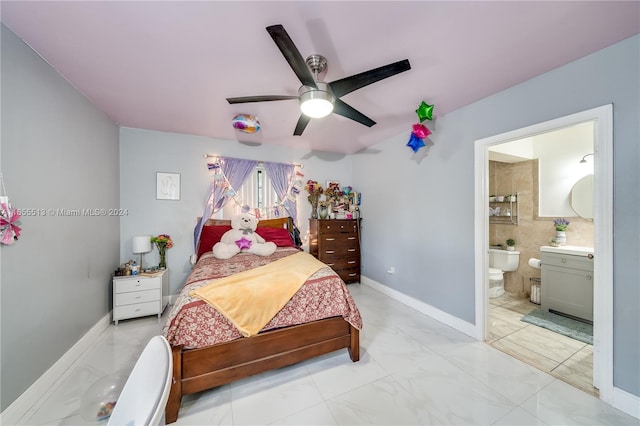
column 532, row 231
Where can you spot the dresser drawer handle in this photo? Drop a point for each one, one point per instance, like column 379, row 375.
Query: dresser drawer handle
column 351, row 261
column 351, row 250
column 330, row 239
column 353, row 274
column 329, row 251
column 330, row 264
column 138, row 297
column 351, row 238
column 137, row 310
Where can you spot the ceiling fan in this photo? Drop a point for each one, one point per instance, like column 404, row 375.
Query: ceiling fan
column 319, row 99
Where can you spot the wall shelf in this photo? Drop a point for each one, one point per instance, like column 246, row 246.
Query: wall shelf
column 511, row 206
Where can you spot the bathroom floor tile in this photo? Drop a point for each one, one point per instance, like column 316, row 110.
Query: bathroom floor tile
column 564, row 358
column 534, row 359
column 578, row 370
column 523, row 306
column 546, row 343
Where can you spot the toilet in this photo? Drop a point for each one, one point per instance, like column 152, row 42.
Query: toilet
column 501, row 261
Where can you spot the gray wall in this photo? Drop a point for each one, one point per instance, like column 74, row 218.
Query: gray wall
column 144, row 152
column 427, row 208
column 58, row 151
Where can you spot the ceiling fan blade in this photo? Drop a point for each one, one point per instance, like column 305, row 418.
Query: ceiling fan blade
column 265, row 98
column 302, row 124
column 349, row 84
column 292, row 55
column 341, row 108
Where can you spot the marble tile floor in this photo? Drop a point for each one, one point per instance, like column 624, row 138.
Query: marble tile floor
column 562, row 357
column 413, row 370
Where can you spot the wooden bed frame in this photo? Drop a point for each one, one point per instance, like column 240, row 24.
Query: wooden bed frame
column 195, row 370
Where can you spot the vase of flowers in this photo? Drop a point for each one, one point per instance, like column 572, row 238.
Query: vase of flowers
column 315, row 190
column 561, row 231
column 324, row 209
column 163, row 242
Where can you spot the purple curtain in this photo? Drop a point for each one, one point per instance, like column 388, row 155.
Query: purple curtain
column 282, row 176
column 236, row 171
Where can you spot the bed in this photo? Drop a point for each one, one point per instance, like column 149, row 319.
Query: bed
column 208, row 351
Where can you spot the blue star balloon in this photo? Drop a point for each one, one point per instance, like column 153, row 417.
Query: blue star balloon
column 415, row 143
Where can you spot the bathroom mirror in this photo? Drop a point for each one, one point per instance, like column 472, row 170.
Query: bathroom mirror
column 582, row 197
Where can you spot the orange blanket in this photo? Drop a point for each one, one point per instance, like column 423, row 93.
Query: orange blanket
column 249, row 299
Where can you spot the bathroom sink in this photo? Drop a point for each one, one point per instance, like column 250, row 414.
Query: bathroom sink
column 573, row 250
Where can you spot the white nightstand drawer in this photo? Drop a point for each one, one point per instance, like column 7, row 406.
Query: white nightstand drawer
column 138, row 297
column 136, row 310
column 125, row 285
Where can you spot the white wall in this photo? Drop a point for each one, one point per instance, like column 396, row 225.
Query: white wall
column 144, row 152
column 559, row 155
column 58, row 152
column 418, row 216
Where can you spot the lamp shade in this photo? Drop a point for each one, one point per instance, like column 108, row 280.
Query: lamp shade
column 142, row 244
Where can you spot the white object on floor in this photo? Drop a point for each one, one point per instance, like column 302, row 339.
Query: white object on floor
column 496, row 283
column 145, row 394
column 535, row 294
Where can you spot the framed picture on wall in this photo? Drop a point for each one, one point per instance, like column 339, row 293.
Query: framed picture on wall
column 167, row 186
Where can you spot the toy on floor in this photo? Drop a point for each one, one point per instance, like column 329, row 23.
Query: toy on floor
column 99, row 400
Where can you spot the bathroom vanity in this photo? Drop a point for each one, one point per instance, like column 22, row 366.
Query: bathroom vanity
column 567, row 281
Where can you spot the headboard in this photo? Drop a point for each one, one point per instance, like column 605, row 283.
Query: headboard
column 283, row 222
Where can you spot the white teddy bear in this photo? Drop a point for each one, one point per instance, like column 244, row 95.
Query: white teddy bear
column 242, row 238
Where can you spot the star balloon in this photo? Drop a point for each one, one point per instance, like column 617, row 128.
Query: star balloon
column 421, row 131
column 243, row 243
column 415, row 142
column 425, row 111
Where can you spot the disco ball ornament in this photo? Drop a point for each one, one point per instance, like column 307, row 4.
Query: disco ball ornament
column 99, row 400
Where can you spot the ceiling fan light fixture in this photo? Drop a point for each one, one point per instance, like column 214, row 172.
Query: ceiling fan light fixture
column 316, row 103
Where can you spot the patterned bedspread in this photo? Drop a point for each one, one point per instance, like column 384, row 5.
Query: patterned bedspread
column 195, row 324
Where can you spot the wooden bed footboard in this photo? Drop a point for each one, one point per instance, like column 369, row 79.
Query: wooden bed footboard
column 195, row 370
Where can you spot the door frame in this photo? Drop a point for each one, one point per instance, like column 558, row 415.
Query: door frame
column 603, row 232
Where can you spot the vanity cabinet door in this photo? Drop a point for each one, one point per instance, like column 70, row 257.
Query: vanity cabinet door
column 566, row 289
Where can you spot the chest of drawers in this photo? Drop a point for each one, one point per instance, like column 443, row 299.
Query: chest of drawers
column 336, row 242
column 140, row 295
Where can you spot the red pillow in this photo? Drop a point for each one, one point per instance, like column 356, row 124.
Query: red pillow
column 279, row 236
column 209, row 236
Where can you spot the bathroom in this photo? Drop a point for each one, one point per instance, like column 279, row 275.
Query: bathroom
column 539, row 172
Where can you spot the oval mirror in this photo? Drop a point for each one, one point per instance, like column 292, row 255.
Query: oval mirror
column 582, row 197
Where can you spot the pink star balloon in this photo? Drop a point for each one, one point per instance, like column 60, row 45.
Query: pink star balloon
column 243, row 243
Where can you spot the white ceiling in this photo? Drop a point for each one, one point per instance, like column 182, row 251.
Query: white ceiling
column 170, row 66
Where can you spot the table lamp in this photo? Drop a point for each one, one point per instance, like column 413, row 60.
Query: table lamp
column 141, row 245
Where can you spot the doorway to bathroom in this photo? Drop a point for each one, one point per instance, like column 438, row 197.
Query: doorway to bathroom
column 601, row 121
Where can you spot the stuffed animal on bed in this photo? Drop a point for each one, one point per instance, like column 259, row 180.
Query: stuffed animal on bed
column 242, row 237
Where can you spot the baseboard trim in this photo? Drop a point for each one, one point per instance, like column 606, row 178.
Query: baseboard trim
column 435, row 313
column 626, row 402
column 35, row 395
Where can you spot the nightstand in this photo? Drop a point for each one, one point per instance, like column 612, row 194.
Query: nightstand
column 137, row 296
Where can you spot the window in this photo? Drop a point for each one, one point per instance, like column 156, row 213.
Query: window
column 256, row 192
